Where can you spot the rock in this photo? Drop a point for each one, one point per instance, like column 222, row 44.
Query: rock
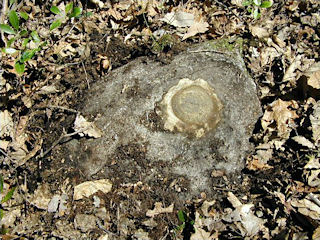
column 214, row 108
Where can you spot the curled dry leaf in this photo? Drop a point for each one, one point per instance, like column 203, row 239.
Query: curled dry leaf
column 84, row 127
column 158, row 209
column 88, row 188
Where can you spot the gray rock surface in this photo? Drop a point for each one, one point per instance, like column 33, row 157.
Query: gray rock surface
column 137, row 147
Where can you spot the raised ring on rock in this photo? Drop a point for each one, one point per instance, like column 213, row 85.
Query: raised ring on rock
column 191, row 107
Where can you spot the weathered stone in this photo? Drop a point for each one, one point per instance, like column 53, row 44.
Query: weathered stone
column 211, row 133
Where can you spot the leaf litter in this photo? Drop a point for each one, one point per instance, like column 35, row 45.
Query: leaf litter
column 281, row 179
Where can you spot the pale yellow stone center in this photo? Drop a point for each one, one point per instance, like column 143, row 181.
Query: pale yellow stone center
column 193, row 105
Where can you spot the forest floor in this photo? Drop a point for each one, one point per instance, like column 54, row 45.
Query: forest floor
column 54, row 51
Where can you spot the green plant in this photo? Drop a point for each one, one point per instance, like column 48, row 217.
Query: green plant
column 254, row 7
column 18, row 39
column 185, row 220
column 63, row 15
column 4, row 199
column 164, row 41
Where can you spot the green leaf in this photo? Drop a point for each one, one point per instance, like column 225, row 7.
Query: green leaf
column 266, row 4
column 7, row 29
column 256, row 13
column 69, row 7
column 8, row 196
column 35, row 36
column 55, row 10
column 19, row 67
column 27, row 55
column 12, row 2
column 23, row 33
column 24, row 15
column 55, row 24
column 1, row 216
column 10, row 41
column 181, row 215
column 1, row 183
column 9, row 50
column 246, row 3
column 13, row 19
column 88, row 14
column 25, row 42
column 76, row 12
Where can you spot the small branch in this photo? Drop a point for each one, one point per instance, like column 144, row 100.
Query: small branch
column 62, row 108
column 85, row 72
column 63, row 135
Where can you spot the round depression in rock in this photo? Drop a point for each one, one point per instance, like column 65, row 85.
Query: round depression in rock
column 191, row 107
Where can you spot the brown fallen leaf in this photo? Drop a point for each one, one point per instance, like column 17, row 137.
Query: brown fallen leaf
column 196, row 27
column 282, row 115
column 158, row 209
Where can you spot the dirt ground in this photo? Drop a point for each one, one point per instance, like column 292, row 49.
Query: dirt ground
column 276, row 195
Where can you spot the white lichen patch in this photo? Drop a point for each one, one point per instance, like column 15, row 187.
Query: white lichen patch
column 191, row 107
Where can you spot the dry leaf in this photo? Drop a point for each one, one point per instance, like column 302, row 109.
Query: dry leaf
column 290, row 74
column 4, row 144
column 88, row 188
column 179, row 19
column 259, row 32
column 197, row 27
column 205, row 208
column 255, row 164
column 303, row 141
column 158, row 209
column 316, row 234
column 307, row 208
column 313, row 74
column 312, row 177
column 244, row 218
column 98, row 2
column 84, row 127
column 282, row 115
column 200, row 234
column 6, row 124
column 313, row 163
column 41, row 197
column 315, row 123
column 48, row 89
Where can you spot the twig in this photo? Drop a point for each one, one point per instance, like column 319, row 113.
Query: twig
column 63, row 135
column 85, row 72
column 62, row 108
